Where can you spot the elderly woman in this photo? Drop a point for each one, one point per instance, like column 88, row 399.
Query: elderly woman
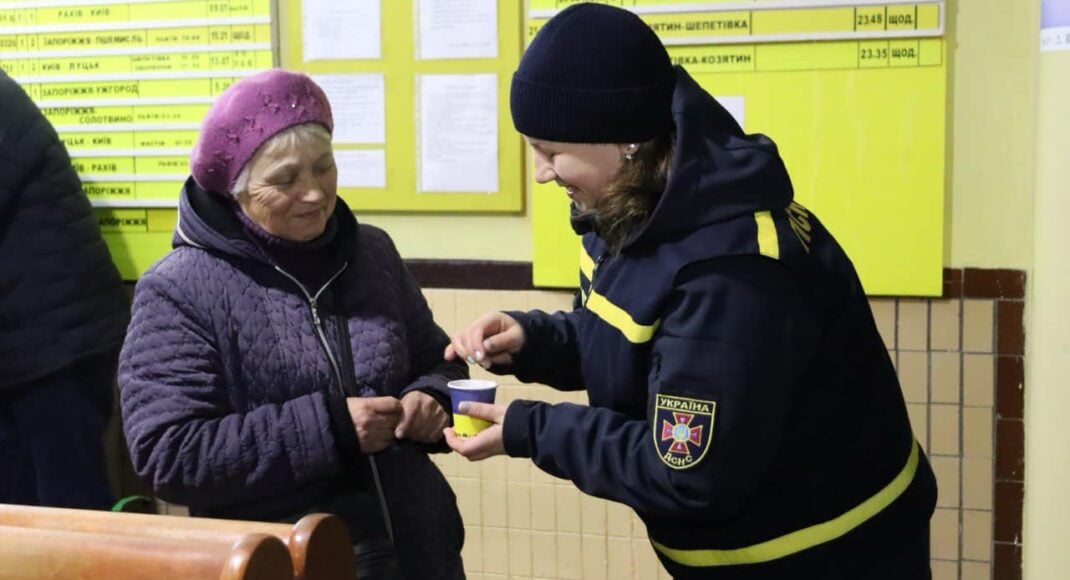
column 281, row 360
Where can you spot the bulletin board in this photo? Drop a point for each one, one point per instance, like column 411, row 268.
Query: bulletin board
column 420, row 127
column 854, row 95
column 126, row 84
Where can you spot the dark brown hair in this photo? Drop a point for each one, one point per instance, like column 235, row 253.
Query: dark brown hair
column 635, row 191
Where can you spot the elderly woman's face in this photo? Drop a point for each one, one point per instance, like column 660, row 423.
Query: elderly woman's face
column 584, row 170
column 292, row 191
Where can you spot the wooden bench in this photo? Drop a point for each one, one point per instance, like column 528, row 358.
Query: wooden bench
column 63, row 555
column 318, row 545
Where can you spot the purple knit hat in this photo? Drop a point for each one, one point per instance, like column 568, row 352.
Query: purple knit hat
column 246, row 115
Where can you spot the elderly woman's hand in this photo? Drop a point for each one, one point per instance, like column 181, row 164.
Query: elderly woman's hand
column 491, row 340
column 422, row 419
column 375, row 419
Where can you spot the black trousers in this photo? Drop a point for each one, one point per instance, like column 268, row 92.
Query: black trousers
column 52, row 438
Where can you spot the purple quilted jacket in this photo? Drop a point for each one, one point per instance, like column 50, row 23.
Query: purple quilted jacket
column 233, row 381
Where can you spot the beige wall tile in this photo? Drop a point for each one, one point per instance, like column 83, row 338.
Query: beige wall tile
column 943, row 570
column 884, row 315
column 516, row 469
column 944, row 429
column 543, row 510
column 646, row 563
column 544, row 554
column 469, row 469
column 540, row 476
column 550, row 301
column 493, row 469
column 638, row 528
column 978, row 326
column 472, row 552
column 520, row 547
column 592, row 515
column 977, row 476
column 913, row 325
column 944, row 534
column 944, row 324
column 443, row 306
column 913, row 370
column 569, row 556
column 495, row 550
column 447, row 463
column 619, row 558
column 469, row 500
column 978, row 379
column 919, row 422
column 977, row 431
column 594, row 557
column 518, row 496
column 945, row 377
column 976, row 571
column 977, row 535
column 495, row 504
column 947, row 480
column 618, row 520
column 568, row 509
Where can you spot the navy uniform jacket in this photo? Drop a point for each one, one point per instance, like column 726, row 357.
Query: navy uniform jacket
column 741, row 399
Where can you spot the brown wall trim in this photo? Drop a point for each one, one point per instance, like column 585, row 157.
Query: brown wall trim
column 984, row 283
column 1007, row 289
column 497, row 275
column 471, row 274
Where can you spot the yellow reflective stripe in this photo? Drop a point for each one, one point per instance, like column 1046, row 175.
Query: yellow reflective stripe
column 803, row 539
column 767, row 240
column 586, row 264
column 616, row 317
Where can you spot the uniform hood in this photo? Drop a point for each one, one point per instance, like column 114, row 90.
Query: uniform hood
column 717, row 172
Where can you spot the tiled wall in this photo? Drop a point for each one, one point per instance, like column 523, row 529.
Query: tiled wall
column 960, row 363
column 524, row 524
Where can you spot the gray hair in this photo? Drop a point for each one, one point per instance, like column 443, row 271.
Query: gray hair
column 296, row 136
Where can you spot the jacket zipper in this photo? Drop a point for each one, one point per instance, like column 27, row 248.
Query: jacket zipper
column 351, row 383
column 317, row 322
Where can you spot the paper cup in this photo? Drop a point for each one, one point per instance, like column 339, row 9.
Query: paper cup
column 470, row 390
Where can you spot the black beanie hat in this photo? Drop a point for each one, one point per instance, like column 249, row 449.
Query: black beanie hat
column 594, row 74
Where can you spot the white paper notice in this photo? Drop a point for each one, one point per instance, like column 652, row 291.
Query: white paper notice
column 358, row 103
column 364, row 168
column 458, row 29
column 458, row 133
column 341, row 29
column 734, row 105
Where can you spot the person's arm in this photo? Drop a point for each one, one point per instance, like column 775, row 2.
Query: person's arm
column 550, row 354
column 27, row 143
column 728, row 354
column 183, row 436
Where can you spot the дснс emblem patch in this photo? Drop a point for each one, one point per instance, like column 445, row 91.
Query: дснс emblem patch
column 682, row 429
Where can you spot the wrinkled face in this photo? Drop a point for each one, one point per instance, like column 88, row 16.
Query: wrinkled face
column 585, row 170
column 292, row 191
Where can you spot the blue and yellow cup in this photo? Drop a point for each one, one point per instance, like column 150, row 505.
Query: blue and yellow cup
column 477, row 391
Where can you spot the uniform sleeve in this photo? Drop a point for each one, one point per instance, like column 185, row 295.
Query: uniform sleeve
column 183, row 436
column 550, row 354
column 731, row 346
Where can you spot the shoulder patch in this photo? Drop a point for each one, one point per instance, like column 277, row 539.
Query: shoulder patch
column 682, row 429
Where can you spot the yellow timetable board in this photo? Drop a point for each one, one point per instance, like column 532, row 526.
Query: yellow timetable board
column 435, row 79
column 126, row 85
column 854, row 97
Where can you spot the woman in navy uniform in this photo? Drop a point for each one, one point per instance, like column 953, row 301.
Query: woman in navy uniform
column 741, row 399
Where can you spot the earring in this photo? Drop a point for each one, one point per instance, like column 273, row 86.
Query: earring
column 631, row 151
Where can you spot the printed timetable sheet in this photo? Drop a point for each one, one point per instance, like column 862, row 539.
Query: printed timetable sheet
column 127, row 83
